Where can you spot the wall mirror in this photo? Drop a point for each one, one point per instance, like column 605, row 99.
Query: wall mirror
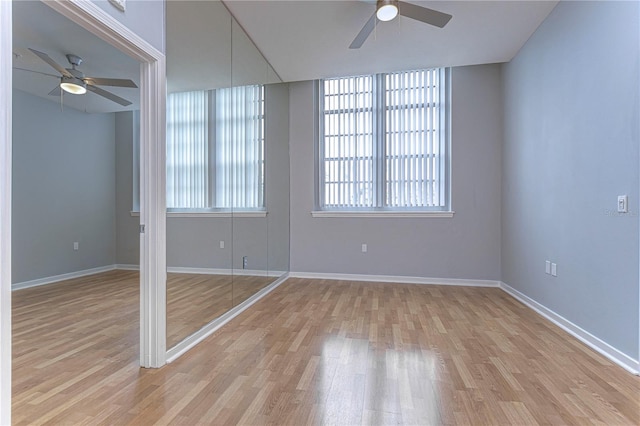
column 227, row 168
column 72, row 190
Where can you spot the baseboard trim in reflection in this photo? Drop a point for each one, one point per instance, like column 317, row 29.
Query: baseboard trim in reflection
column 127, row 267
column 188, row 343
column 222, row 271
column 211, row 271
column 62, row 277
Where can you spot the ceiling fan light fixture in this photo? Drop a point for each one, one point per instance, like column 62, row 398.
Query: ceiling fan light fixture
column 73, row 85
column 386, row 10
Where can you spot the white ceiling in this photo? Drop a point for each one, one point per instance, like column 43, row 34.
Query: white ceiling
column 207, row 49
column 301, row 39
column 39, row 27
column 305, row 40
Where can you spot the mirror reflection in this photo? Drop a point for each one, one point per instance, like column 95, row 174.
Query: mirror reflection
column 227, row 167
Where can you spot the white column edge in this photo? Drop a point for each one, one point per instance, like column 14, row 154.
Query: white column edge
column 6, row 48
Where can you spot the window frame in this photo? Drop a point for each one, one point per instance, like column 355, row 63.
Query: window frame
column 379, row 137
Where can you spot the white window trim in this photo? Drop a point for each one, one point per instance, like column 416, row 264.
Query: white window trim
column 192, row 214
column 382, row 214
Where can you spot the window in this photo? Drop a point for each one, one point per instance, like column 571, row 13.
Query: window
column 215, row 149
column 383, row 142
column 240, row 147
column 188, row 150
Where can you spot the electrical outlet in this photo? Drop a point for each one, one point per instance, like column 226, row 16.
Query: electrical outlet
column 245, row 262
column 76, row 246
column 364, row 248
column 221, row 244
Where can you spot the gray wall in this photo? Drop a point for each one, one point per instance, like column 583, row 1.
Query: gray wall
column 194, row 242
column 570, row 148
column 466, row 246
column 277, row 175
column 127, row 231
column 144, row 17
column 63, row 189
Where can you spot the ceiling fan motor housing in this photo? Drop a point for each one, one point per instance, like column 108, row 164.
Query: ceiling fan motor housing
column 74, row 60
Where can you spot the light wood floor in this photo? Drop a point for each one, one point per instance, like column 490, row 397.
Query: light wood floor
column 194, row 300
column 313, row 352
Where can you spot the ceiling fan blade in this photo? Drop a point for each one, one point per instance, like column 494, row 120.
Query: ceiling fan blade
column 51, row 62
column 108, row 95
column 364, row 33
column 57, row 91
column 117, row 82
column 423, row 14
column 36, row 72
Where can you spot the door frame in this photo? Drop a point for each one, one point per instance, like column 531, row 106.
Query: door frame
column 6, row 100
column 152, row 180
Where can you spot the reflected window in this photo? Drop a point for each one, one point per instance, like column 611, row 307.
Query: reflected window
column 215, row 149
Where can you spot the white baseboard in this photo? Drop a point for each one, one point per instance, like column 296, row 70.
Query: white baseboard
column 210, row 271
column 62, row 277
column 188, row 343
column 396, row 279
column 223, row 271
column 598, row 345
column 201, row 271
column 127, row 267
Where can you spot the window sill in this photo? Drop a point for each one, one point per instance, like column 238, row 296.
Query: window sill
column 378, row 214
column 262, row 213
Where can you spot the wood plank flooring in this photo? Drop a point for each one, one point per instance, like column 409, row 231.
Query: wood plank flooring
column 194, row 300
column 313, row 352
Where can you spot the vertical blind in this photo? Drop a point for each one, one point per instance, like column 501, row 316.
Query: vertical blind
column 348, row 147
column 412, row 139
column 383, row 141
column 188, row 150
column 240, row 147
column 215, row 149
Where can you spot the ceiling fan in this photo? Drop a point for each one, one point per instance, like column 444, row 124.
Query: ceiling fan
column 386, row 10
column 73, row 81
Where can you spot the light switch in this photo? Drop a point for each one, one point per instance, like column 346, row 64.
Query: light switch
column 547, row 267
column 623, row 204
column 554, row 269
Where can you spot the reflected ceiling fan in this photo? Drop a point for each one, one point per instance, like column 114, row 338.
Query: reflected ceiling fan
column 386, row 10
column 73, row 81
